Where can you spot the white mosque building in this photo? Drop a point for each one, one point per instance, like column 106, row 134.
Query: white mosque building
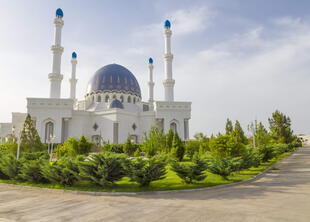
column 112, row 109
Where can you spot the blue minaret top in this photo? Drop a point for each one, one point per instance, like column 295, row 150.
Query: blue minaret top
column 74, row 55
column 150, row 60
column 59, row 13
column 167, row 24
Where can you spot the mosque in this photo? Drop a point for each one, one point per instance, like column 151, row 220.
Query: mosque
column 112, row 109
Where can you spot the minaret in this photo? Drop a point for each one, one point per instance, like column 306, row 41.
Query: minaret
column 73, row 79
column 56, row 77
column 151, row 82
column 169, row 81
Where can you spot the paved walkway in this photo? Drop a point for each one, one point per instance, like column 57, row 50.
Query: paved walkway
column 281, row 195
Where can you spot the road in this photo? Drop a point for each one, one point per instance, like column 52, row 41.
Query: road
column 281, row 195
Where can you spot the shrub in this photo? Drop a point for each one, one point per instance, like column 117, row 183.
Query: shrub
column 73, row 147
column 64, row 171
column 224, row 166
column 9, row 147
column 35, row 155
column 190, row 172
column 9, row 166
column 144, row 171
column 192, row 147
column 83, row 147
column 31, row 171
column 117, row 148
column 251, row 158
column 269, row 151
column 103, row 168
column 280, row 148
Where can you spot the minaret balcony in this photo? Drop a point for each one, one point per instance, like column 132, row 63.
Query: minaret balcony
column 57, row 49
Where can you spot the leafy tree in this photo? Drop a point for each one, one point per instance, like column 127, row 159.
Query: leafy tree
column 226, row 146
column 64, row 171
column 193, row 171
column 224, row 166
column 154, row 143
column 178, row 149
column 200, row 137
column 31, row 171
column 30, row 139
column 229, row 127
column 280, row 127
column 103, row 168
column 239, row 133
column 144, row 171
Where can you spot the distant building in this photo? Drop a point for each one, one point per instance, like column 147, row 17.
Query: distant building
column 112, row 109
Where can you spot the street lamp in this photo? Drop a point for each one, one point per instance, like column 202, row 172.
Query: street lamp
column 18, row 141
column 51, row 139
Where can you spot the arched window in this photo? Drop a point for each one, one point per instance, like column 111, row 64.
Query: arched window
column 99, row 99
column 114, row 96
column 173, row 126
column 106, row 98
column 129, row 99
column 134, row 100
column 122, row 98
column 93, row 98
column 49, row 131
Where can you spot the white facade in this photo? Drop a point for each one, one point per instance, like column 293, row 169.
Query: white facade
column 111, row 110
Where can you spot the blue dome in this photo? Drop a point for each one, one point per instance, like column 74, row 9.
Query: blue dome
column 74, row 55
column 114, row 78
column 59, row 13
column 116, row 104
column 167, row 24
column 150, row 60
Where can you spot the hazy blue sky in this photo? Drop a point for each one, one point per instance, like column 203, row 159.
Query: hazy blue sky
column 240, row 59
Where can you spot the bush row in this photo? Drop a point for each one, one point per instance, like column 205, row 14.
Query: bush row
column 106, row 168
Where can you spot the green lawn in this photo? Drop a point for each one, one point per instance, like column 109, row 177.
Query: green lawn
column 171, row 182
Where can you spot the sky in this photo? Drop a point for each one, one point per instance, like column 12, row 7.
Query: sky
column 240, row 59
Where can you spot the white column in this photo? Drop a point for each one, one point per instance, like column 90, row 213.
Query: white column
column 56, row 77
column 168, row 57
column 151, row 82
column 73, row 79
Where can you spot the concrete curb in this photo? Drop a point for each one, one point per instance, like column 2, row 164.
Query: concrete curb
column 91, row 193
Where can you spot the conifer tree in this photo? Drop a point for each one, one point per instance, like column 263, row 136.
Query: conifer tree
column 261, row 135
column 229, row 127
column 280, row 127
column 169, row 140
column 178, row 149
column 30, row 139
column 128, row 147
column 239, row 133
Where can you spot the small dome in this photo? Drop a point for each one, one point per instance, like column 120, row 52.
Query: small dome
column 59, row 13
column 116, row 104
column 74, row 55
column 167, row 24
column 150, row 60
